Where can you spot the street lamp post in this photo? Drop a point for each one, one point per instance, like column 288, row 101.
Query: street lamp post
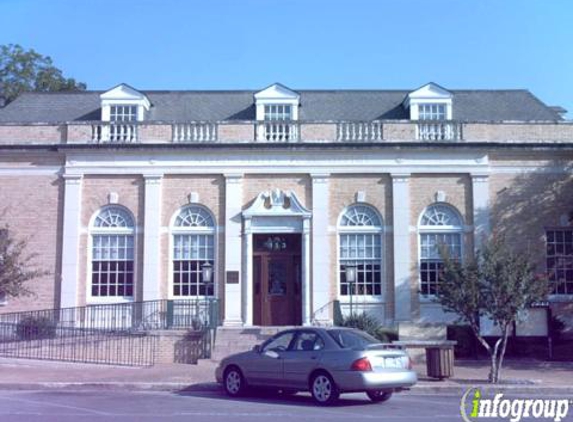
column 207, row 278
column 350, row 271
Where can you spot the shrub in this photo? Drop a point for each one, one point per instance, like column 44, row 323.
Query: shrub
column 370, row 325
column 36, row 328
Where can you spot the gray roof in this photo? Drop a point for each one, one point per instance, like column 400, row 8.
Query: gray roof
column 468, row 105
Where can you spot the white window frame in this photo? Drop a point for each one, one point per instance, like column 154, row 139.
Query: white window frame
column 111, row 231
column 558, row 297
column 195, row 230
column 433, row 113
column 438, row 229
column 375, row 230
column 122, row 111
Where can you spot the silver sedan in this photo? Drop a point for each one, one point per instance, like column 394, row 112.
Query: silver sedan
column 324, row 361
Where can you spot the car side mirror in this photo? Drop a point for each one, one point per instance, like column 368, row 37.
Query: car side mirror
column 257, row 348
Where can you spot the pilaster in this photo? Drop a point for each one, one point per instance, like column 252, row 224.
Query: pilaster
column 402, row 253
column 151, row 237
column 71, row 240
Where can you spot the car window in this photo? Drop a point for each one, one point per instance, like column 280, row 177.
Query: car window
column 352, row 339
column 308, row 341
column 279, row 343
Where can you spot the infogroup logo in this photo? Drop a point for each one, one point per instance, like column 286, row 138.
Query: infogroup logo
column 474, row 407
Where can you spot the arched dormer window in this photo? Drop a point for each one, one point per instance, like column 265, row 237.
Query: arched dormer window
column 112, row 253
column 360, row 245
column 440, row 225
column 193, row 233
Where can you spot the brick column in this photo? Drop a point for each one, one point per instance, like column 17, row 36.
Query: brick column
column 71, row 240
column 321, row 265
column 402, row 255
column 234, row 253
column 151, row 238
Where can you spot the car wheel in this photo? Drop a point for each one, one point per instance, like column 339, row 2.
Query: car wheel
column 234, row 382
column 379, row 396
column 323, row 389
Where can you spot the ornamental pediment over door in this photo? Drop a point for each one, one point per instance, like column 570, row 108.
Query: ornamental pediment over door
column 277, row 203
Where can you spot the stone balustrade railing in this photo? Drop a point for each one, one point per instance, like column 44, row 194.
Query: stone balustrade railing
column 387, row 131
column 277, row 131
column 114, row 133
column 195, row 132
column 439, row 131
column 359, row 131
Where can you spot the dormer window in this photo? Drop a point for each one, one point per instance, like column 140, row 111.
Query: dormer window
column 432, row 111
column 124, row 104
column 277, row 111
column 432, row 106
column 123, row 113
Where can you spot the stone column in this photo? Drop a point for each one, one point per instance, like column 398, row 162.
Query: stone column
column 233, row 251
column 152, row 237
column 402, row 255
column 321, row 265
column 305, row 264
column 71, row 240
column 480, row 196
column 248, row 273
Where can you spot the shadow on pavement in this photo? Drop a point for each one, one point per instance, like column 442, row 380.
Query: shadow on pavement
column 268, row 396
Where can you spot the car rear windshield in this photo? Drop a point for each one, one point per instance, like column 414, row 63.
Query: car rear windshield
column 352, row 339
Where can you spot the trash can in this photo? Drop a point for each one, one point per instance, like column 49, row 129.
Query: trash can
column 440, row 361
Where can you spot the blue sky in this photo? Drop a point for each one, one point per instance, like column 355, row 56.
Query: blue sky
column 249, row 44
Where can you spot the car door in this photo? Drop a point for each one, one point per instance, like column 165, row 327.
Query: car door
column 266, row 367
column 302, row 358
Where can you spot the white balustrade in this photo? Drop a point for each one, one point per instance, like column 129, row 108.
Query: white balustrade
column 439, row 131
column 359, row 131
column 194, row 132
column 277, row 131
column 114, row 132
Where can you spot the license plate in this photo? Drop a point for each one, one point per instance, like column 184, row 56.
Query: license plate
column 393, row 362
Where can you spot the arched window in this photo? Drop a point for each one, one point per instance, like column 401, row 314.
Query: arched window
column 112, row 240
column 193, row 246
column 440, row 225
column 360, row 246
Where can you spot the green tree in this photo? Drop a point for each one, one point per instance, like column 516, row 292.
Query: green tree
column 499, row 284
column 26, row 70
column 16, row 266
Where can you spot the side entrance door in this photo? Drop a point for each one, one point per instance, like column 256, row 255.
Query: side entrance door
column 277, row 280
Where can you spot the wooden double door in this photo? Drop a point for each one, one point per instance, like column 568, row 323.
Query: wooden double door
column 277, row 279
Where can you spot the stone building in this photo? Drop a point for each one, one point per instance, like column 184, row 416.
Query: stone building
column 125, row 195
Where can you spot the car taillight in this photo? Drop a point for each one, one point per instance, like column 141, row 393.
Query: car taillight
column 362, row 364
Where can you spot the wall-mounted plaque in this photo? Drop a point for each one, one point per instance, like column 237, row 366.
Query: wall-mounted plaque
column 232, row 277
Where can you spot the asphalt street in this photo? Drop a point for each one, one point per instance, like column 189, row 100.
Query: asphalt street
column 215, row 406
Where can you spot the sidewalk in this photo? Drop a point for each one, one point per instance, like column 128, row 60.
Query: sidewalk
column 520, row 376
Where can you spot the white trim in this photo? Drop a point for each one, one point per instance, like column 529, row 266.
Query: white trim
column 375, row 230
column 35, row 171
column 71, row 240
column 91, row 231
column 193, row 230
column 402, row 242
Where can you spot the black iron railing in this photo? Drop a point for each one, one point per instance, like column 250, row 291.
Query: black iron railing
column 119, row 334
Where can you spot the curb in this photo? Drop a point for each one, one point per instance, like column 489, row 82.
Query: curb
column 419, row 389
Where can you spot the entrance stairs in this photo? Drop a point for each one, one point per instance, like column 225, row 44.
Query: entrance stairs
column 230, row 340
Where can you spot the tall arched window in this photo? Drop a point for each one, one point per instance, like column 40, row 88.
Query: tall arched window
column 112, row 235
column 193, row 246
column 360, row 246
column 440, row 225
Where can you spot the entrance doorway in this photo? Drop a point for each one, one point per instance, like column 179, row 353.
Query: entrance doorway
column 277, row 279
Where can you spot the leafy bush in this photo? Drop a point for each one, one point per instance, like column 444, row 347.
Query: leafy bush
column 36, row 328
column 369, row 324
